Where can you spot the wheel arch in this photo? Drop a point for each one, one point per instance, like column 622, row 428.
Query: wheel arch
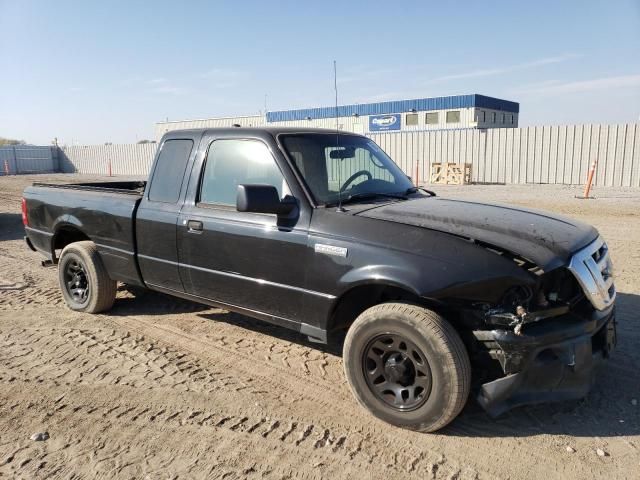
column 367, row 294
column 65, row 234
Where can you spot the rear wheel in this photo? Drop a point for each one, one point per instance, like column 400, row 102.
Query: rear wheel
column 84, row 281
column 407, row 366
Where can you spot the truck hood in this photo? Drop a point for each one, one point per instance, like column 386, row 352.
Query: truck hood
column 546, row 239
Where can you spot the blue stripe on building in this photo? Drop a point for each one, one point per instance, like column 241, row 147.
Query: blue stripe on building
column 398, row 106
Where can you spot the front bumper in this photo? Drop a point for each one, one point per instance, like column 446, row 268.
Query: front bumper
column 552, row 361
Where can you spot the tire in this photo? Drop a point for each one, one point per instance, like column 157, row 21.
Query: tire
column 433, row 351
column 84, row 281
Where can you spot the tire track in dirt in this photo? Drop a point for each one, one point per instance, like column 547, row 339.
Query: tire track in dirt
column 309, row 396
column 102, row 357
column 41, row 355
column 105, row 344
column 39, row 285
column 134, row 455
column 333, row 403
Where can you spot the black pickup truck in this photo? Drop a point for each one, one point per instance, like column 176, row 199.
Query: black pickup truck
column 321, row 232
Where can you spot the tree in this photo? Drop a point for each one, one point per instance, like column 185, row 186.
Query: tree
column 10, row 141
column 146, row 141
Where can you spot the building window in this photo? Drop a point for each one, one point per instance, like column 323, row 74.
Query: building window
column 511, row 119
column 480, row 115
column 453, row 116
column 432, row 118
column 494, row 117
column 504, row 120
column 411, row 119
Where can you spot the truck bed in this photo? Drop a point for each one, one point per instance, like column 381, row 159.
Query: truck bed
column 104, row 212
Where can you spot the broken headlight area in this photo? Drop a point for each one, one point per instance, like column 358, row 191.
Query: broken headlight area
column 538, row 342
column 554, row 295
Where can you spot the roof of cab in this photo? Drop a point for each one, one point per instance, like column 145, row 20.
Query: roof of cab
column 252, row 131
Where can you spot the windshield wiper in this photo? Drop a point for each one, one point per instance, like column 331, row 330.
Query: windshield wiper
column 372, row 195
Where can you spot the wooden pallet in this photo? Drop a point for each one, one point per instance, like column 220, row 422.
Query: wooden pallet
column 450, row 173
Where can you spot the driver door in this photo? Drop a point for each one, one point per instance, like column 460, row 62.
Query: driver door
column 242, row 259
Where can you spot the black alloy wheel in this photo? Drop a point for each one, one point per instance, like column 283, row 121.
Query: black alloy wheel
column 397, row 372
column 76, row 281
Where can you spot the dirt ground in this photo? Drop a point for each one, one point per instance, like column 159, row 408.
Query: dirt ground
column 162, row 388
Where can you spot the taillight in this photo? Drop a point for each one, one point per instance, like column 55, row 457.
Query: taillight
column 25, row 219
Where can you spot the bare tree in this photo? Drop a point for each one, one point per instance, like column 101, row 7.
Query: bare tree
column 10, row 141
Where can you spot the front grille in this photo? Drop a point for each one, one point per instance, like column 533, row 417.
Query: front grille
column 592, row 268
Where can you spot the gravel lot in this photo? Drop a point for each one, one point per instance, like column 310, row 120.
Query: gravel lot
column 161, row 388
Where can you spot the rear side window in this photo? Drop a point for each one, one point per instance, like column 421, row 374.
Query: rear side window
column 169, row 171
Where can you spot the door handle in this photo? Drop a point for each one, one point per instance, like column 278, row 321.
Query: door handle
column 194, row 226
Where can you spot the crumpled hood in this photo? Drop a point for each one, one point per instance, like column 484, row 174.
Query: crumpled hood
column 548, row 240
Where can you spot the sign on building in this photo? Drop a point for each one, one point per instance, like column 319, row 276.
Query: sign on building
column 382, row 123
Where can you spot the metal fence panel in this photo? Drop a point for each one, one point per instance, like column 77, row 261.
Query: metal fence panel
column 577, row 153
column 602, row 152
column 635, row 156
column 552, row 154
column 131, row 159
column 17, row 159
column 563, row 166
column 8, row 161
column 621, row 175
column 541, row 154
column 545, row 139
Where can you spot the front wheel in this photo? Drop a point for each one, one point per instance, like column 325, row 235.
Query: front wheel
column 407, row 366
column 84, row 281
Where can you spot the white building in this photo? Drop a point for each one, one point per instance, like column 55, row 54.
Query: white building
column 437, row 113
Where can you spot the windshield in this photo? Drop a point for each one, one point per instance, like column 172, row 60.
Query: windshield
column 346, row 165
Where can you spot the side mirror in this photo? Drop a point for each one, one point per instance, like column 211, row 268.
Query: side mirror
column 263, row 199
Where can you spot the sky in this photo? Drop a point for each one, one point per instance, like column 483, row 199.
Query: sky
column 96, row 72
